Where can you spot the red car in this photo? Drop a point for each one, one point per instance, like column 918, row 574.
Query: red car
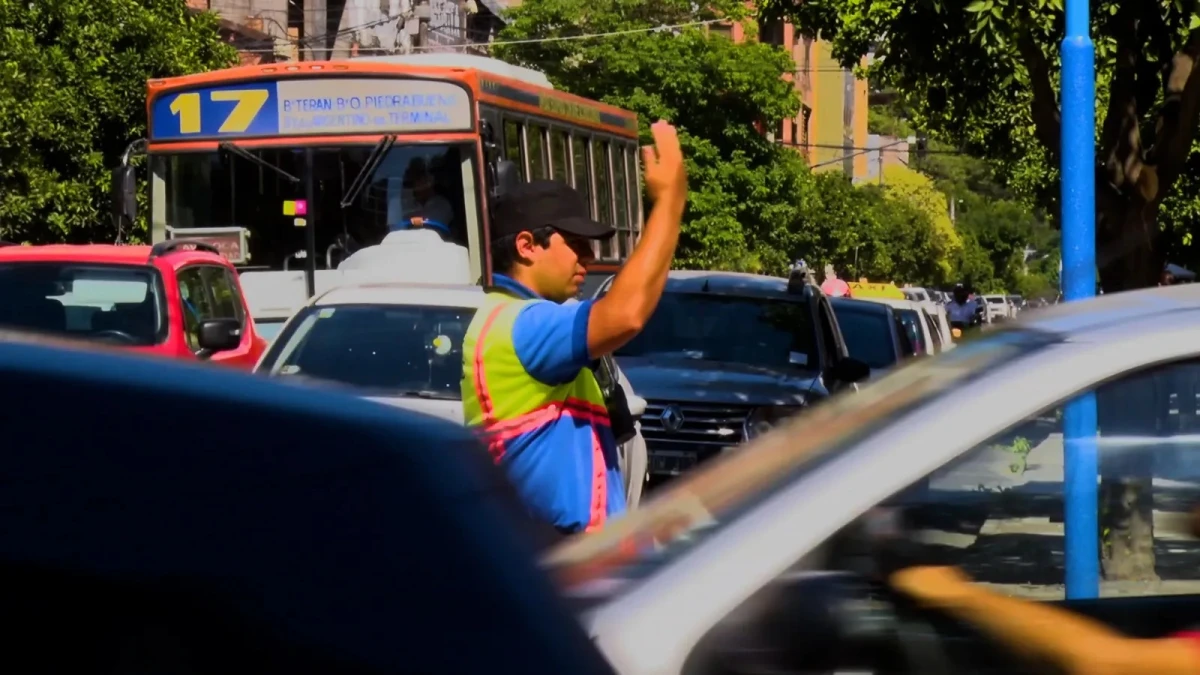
column 179, row 298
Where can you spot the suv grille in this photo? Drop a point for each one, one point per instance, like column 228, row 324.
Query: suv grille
column 701, row 431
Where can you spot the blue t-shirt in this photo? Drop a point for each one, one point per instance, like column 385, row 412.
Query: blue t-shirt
column 550, row 340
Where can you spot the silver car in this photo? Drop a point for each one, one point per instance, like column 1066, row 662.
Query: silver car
column 759, row 558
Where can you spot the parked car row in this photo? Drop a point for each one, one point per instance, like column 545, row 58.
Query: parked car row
column 725, row 357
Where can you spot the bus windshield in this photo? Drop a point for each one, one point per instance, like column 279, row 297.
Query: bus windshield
column 436, row 181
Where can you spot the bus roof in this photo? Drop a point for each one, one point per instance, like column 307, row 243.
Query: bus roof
column 211, row 97
column 474, row 61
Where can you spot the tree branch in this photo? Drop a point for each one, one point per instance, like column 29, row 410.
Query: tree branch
column 1047, row 118
column 1120, row 136
column 1176, row 126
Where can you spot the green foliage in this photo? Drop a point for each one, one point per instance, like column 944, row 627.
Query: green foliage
column 967, row 73
column 993, row 226
column 754, row 206
column 73, row 95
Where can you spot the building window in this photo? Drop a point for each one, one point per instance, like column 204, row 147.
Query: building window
column 771, row 32
column 723, row 29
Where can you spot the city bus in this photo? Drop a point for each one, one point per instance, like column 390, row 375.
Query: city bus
column 287, row 168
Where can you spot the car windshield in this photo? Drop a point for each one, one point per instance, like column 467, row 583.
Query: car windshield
column 122, row 303
column 700, row 504
column 867, row 334
column 385, row 350
column 755, row 331
column 995, row 300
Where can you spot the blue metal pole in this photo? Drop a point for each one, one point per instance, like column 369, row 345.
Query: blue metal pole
column 1079, row 281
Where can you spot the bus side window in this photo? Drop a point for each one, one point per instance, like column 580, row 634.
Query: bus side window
column 535, row 144
column 602, row 177
column 512, row 146
column 559, row 158
column 635, row 190
column 621, row 185
column 579, row 174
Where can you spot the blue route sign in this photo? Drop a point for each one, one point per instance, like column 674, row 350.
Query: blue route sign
column 330, row 105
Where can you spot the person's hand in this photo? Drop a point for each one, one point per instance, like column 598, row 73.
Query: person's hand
column 931, row 586
column 665, row 170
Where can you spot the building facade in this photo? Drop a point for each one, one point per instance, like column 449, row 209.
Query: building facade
column 830, row 130
column 265, row 31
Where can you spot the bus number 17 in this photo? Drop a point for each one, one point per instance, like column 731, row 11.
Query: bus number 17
column 249, row 102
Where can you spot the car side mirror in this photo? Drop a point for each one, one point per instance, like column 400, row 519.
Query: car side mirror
column 850, row 370
column 124, row 194
column 219, row 335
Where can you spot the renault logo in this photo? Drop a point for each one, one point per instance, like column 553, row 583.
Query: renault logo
column 671, row 418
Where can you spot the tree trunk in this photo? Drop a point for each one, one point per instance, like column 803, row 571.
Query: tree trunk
column 1128, row 255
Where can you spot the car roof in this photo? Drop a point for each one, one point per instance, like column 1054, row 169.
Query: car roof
column 402, row 293
column 102, row 254
column 857, row 305
column 727, row 283
column 372, row 554
column 1122, row 311
column 913, row 305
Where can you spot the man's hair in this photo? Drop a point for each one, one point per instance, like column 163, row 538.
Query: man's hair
column 504, row 249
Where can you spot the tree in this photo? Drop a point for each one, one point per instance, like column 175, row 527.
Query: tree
column 984, row 75
column 746, row 192
column 73, row 95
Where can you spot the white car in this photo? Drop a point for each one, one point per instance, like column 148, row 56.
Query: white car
column 401, row 344
column 996, row 307
column 765, row 556
column 928, row 334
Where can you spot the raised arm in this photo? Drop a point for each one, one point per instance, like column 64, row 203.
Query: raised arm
column 622, row 313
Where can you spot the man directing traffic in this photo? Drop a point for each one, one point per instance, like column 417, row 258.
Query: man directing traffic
column 527, row 384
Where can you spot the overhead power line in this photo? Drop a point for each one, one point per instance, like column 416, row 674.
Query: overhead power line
column 484, row 45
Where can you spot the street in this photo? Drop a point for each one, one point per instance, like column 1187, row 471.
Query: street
column 1006, row 529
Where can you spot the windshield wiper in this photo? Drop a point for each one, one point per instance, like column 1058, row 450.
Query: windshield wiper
column 251, row 157
column 368, row 169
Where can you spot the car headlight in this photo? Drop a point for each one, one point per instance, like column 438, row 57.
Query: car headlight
column 763, row 419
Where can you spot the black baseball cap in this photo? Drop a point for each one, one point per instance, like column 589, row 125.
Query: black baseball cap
column 546, row 203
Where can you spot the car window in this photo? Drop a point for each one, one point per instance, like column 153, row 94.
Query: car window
column 123, row 302
column 198, row 303
column 868, row 336
column 998, row 511
column 411, row 350
column 756, row 331
column 934, row 333
column 226, row 303
column 911, row 321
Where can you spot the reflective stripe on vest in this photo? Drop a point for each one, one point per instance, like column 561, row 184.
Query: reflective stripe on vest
column 504, row 401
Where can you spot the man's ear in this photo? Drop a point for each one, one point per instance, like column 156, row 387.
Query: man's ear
column 526, row 245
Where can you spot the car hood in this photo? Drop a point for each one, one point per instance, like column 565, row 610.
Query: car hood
column 447, row 410
column 670, row 378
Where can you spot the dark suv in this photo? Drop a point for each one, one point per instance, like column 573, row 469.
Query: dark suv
column 725, row 357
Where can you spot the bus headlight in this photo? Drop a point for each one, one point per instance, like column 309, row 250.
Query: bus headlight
column 763, row 419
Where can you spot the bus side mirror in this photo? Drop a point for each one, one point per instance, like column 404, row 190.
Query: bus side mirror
column 124, row 194
column 507, row 177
